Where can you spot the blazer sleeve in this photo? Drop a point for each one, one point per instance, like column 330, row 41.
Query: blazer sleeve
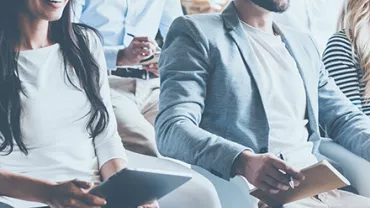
column 184, row 71
column 342, row 121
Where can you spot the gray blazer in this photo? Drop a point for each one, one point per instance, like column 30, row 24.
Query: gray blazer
column 210, row 106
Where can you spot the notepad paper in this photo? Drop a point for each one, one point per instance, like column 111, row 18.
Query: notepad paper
column 320, row 178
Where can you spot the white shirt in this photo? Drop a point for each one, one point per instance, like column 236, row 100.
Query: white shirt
column 284, row 98
column 53, row 123
column 116, row 18
column 319, row 18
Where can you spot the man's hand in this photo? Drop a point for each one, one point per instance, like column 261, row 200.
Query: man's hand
column 150, row 205
column 264, row 171
column 152, row 68
column 139, row 49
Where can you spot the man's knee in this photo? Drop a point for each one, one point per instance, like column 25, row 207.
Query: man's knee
column 197, row 193
column 205, row 190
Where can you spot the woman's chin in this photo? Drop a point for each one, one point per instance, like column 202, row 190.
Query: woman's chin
column 54, row 18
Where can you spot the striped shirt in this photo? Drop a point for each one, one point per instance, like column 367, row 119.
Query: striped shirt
column 343, row 66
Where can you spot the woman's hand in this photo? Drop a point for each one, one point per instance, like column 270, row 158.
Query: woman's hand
column 150, row 205
column 73, row 194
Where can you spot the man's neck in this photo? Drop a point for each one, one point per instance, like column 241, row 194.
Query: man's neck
column 34, row 33
column 254, row 15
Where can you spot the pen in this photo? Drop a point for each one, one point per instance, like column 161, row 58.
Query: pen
column 133, row 36
column 291, row 182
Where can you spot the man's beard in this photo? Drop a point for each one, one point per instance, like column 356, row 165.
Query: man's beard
column 278, row 6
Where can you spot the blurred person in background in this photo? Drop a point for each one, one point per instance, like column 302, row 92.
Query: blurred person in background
column 347, row 55
column 134, row 88
column 315, row 17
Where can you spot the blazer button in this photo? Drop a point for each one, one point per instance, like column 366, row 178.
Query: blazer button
column 264, row 150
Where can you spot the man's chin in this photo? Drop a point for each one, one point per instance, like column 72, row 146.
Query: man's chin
column 277, row 6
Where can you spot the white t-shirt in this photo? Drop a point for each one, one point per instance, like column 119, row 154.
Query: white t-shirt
column 284, row 98
column 318, row 18
column 53, row 122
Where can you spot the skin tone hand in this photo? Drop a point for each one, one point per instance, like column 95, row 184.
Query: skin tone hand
column 264, row 172
column 139, row 49
column 152, row 68
column 73, row 194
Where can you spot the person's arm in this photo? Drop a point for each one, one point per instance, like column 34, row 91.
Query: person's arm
column 25, row 188
column 342, row 121
column 172, row 10
column 112, row 167
column 108, row 145
column 109, row 148
column 339, row 62
column 67, row 194
column 184, row 72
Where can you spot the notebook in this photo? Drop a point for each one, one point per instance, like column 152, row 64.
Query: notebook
column 153, row 59
column 319, row 178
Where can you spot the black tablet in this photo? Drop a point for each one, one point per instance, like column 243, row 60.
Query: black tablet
column 131, row 188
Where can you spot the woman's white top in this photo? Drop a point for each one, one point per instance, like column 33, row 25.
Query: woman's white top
column 54, row 119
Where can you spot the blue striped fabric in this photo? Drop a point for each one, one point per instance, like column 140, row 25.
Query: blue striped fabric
column 343, row 66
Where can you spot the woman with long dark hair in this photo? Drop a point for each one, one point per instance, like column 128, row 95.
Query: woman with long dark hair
column 56, row 120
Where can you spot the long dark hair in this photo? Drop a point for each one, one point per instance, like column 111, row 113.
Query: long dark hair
column 74, row 45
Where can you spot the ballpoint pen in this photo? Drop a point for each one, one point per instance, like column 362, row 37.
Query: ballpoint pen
column 291, row 182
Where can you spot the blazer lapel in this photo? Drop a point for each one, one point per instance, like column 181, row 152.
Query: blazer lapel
column 236, row 31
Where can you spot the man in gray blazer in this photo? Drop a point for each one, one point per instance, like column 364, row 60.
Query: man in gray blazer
column 238, row 90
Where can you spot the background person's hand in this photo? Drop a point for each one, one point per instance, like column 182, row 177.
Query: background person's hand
column 264, row 171
column 152, row 68
column 73, row 194
column 150, row 205
column 139, row 49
